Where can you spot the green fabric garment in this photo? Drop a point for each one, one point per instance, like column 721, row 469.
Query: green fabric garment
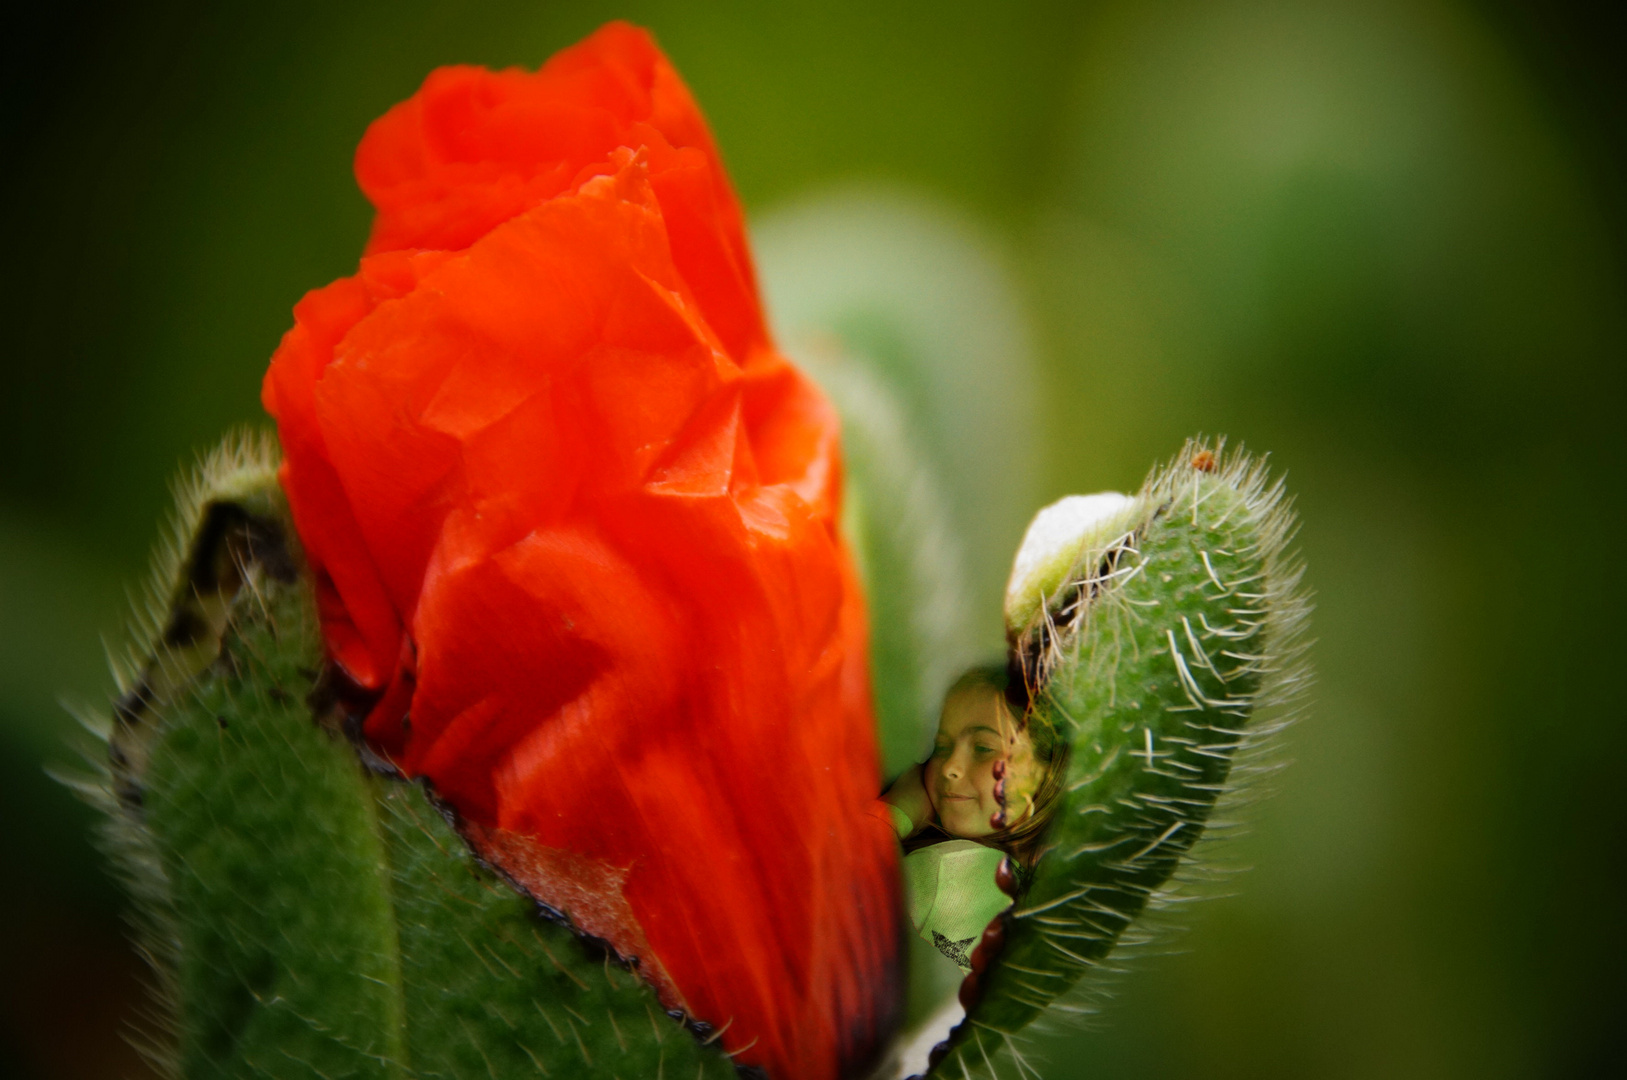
column 952, row 895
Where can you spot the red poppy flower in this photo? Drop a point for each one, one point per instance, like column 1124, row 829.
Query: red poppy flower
column 573, row 518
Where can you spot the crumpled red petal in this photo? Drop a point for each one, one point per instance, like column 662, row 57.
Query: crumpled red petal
column 574, row 517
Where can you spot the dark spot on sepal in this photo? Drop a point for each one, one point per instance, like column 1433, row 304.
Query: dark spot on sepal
column 185, row 629
column 373, row 761
column 229, row 540
column 341, row 706
column 338, row 702
column 132, row 705
column 130, row 794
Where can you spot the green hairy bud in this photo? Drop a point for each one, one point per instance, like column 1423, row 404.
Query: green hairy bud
column 1160, row 637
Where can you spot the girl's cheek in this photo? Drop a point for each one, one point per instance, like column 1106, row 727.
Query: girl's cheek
column 983, row 782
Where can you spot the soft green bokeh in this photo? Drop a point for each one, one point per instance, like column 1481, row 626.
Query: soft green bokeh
column 1358, row 235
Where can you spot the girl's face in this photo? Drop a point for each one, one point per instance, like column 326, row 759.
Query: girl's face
column 975, row 731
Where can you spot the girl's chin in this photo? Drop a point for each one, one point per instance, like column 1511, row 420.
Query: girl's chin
column 964, row 824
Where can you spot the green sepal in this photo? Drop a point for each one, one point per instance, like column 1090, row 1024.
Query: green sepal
column 1152, row 658
column 278, row 876
column 306, row 915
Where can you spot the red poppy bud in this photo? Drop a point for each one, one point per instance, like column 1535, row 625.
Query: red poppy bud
column 569, row 507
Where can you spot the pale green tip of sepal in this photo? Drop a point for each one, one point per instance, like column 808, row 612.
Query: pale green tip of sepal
column 1059, row 542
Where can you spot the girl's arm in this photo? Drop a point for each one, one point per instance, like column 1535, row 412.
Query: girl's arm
column 907, row 803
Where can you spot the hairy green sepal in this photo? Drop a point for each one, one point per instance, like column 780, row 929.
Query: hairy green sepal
column 1151, row 658
column 308, row 917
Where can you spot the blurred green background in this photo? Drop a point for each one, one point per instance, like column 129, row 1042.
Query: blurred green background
column 1381, row 240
